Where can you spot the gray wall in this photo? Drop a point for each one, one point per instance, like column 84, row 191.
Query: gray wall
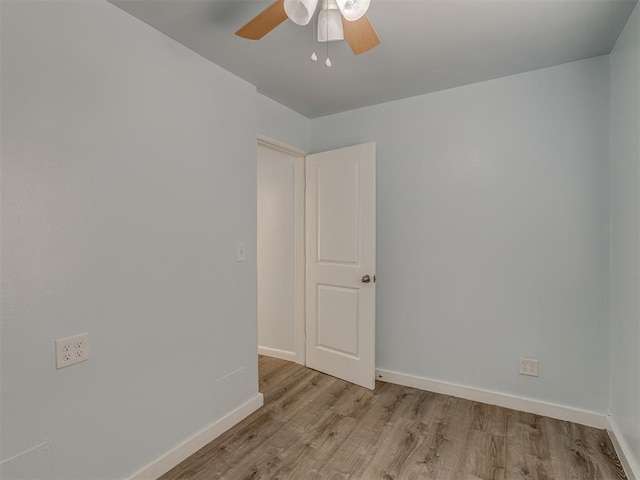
column 625, row 238
column 283, row 124
column 493, row 231
column 128, row 176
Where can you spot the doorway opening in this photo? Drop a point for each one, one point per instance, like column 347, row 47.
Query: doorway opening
column 316, row 258
column 280, row 251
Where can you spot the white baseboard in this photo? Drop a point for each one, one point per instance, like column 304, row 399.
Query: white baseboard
column 631, row 468
column 537, row 407
column 274, row 352
column 177, row 454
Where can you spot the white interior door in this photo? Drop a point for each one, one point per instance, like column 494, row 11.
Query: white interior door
column 341, row 261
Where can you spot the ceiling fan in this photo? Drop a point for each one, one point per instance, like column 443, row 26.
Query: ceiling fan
column 337, row 19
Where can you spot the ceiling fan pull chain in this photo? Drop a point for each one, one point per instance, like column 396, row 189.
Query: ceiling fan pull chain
column 314, row 57
column 327, row 62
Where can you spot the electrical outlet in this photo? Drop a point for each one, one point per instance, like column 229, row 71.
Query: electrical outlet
column 528, row 366
column 71, row 350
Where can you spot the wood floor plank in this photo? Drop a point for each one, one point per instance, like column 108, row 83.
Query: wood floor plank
column 268, row 365
column 272, row 373
column 283, row 450
column 489, row 418
column 580, row 452
column 528, row 455
column 484, row 457
column 315, row 447
column 393, row 459
column 608, row 456
column 317, row 427
column 438, row 454
column 372, row 427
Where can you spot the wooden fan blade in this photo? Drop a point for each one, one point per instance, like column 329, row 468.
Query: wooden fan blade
column 270, row 18
column 360, row 34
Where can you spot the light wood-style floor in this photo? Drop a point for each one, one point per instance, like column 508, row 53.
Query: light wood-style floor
column 314, row 426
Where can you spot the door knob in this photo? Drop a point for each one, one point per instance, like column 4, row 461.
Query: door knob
column 365, row 279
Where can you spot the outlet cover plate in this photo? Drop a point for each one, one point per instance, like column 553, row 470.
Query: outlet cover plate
column 72, row 350
column 528, row 366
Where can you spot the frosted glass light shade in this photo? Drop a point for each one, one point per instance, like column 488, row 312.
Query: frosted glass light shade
column 353, row 9
column 300, row 11
column 329, row 26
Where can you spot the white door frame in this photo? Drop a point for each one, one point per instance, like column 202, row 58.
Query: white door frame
column 299, row 222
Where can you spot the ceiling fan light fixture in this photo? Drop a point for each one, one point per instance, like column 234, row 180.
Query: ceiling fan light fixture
column 353, row 10
column 300, row 12
column 329, row 26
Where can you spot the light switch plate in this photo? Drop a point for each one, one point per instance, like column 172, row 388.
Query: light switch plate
column 241, row 252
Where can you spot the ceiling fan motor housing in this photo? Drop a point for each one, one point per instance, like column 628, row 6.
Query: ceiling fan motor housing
column 330, row 26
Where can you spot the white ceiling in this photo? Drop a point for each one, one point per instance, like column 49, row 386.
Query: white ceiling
column 427, row 45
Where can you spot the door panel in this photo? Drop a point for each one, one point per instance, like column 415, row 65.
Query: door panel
column 337, row 319
column 338, row 212
column 340, row 207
